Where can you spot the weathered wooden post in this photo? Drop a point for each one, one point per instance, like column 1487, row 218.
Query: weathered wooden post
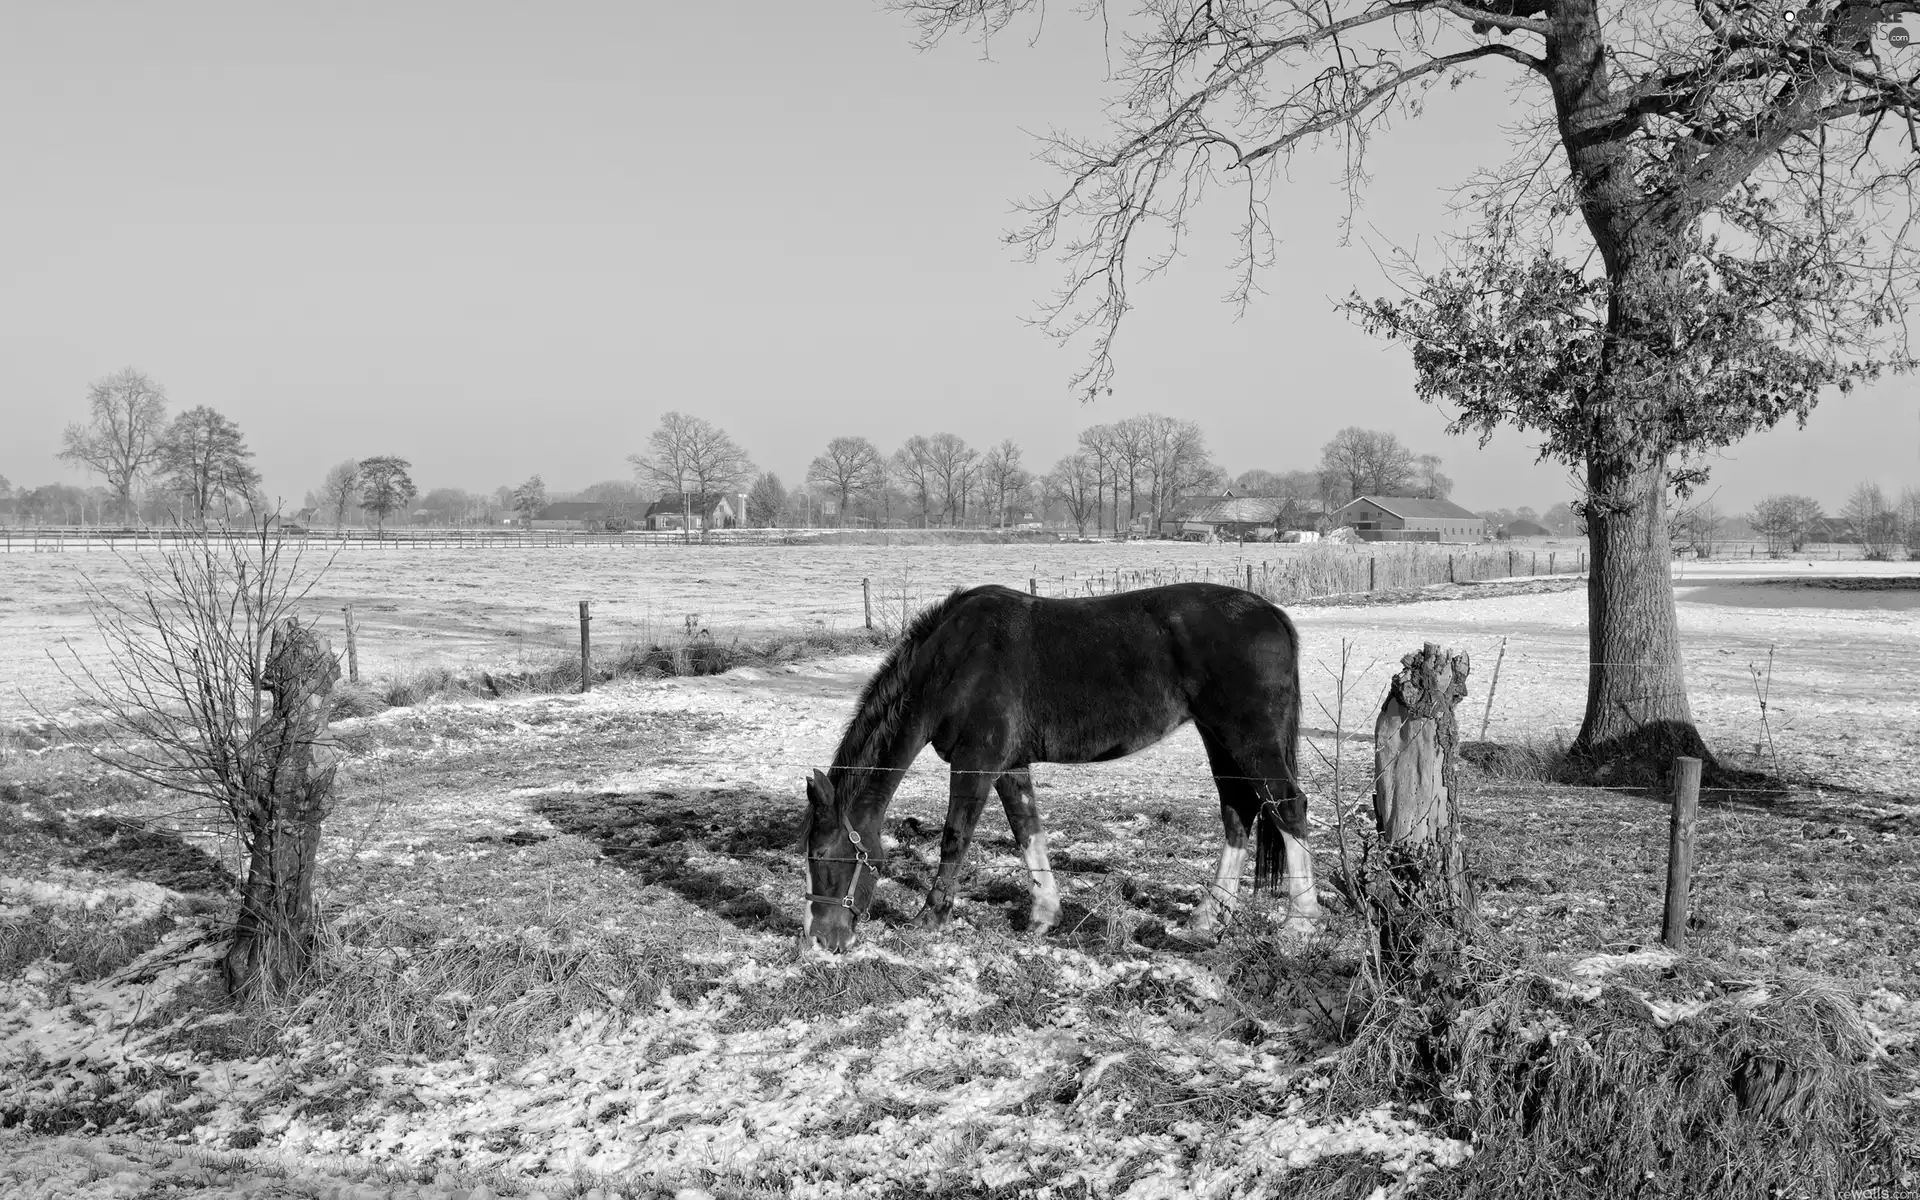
column 1414, row 802
column 586, row 650
column 1373, row 564
column 1033, row 586
column 1249, row 573
column 866, row 597
column 1686, row 805
column 273, row 937
column 353, row 651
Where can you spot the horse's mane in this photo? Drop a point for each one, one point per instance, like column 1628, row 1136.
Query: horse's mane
column 884, row 701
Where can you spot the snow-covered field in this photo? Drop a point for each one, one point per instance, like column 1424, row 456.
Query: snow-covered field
column 650, row 823
column 424, row 607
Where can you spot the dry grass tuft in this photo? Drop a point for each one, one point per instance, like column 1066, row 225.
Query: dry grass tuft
column 1766, row 1089
column 93, row 944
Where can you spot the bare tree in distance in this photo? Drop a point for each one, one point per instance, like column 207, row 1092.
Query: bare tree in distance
column 949, row 462
column 850, row 468
column 1370, row 462
column 1740, row 175
column 340, row 489
column 689, row 451
column 1784, row 521
column 913, row 466
column 1003, row 476
column 385, row 487
column 1075, row 483
column 1097, row 443
column 529, row 498
column 215, row 687
column 124, row 433
column 765, row 501
column 1872, row 520
column 1700, row 527
column 203, row 456
column 1910, row 520
column 1177, row 464
column 1429, row 482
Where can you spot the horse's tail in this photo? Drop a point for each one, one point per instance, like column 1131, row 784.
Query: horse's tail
column 1269, row 852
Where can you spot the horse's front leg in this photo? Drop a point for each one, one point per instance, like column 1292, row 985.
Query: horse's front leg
column 967, row 791
column 1030, row 839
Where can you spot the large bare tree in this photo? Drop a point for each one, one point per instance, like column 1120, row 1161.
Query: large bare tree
column 952, row 464
column 340, row 490
column 205, row 457
column 124, row 434
column 913, row 467
column 850, row 468
column 1705, row 223
column 1097, row 443
column 1003, row 476
column 1075, row 483
column 1368, row 462
column 692, row 456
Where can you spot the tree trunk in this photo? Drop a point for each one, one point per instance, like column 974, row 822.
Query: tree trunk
column 273, row 937
column 1425, row 879
column 1636, row 693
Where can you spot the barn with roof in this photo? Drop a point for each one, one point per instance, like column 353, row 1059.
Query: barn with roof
column 1410, row 519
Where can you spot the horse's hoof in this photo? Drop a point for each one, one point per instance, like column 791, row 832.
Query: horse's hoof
column 931, row 919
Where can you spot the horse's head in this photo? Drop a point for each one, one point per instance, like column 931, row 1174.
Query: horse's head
column 842, row 865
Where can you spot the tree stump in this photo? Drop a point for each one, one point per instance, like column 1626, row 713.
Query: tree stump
column 273, row 936
column 1425, row 877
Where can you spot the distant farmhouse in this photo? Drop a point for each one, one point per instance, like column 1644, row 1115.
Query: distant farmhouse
column 589, row 515
column 709, row 510
column 1410, row 519
column 1238, row 516
column 1523, row 528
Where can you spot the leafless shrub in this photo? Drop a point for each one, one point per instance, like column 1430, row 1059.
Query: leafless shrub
column 214, row 688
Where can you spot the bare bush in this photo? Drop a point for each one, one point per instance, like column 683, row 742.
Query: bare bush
column 215, row 688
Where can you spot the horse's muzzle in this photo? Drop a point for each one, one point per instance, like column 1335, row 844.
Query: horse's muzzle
column 833, row 931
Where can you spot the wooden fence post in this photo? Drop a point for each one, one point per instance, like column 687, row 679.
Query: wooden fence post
column 586, row 650
column 1373, row 564
column 1450, row 575
column 1033, row 586
column 866, row 598
column 1249, row 576
column 353, row 650
column 1686, row 805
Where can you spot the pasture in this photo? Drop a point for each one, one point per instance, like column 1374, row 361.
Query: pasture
column 560, row 927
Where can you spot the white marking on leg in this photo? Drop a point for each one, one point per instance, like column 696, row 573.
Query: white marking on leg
column 1220, row 895
column 1303, row 898
column 1046, row 895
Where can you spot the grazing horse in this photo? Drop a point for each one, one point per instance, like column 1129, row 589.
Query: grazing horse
column 998, row 680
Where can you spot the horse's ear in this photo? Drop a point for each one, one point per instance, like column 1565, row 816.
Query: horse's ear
column 820, row 792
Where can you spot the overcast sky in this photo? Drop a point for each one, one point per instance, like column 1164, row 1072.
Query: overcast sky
column 503, row 239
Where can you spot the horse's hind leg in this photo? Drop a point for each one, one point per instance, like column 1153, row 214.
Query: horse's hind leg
column 1289, row 816
column 1030, row 839
column 1239, row 808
